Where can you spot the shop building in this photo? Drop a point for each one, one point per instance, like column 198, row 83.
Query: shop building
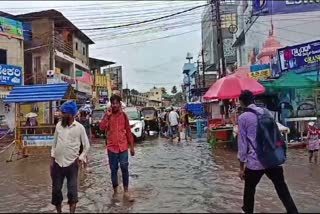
column 11, row 57
column 57, row 51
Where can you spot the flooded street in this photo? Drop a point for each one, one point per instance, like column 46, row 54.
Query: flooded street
column 164, row 177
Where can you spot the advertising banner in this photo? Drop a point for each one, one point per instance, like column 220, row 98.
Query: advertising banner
column 37, row 140
column 10, row 75
column 300, row 58
column 268, row 7
column 260, row 72
column 11, row 27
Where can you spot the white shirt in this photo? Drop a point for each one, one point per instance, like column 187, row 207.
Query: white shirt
column 66, row 145
column 173, row 118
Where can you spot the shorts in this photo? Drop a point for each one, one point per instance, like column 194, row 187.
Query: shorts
column 313, row 151
column 58, row 174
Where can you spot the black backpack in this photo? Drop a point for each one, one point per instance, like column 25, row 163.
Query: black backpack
column 271, row 148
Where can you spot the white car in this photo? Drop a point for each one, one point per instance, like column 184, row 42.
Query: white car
column 137, row 124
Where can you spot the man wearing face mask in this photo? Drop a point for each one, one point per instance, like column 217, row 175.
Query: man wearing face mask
column 65, row 156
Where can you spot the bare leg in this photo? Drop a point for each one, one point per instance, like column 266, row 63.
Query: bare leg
column 310, row 156
column 59, row 208
column 73, row 208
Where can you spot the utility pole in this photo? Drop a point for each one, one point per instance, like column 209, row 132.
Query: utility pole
column 198, row 74
column 51, row 65
column 203, row 69
column 221, row 63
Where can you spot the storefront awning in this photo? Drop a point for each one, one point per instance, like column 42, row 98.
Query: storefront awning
column 40, row 93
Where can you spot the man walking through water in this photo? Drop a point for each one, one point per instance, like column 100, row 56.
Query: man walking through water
column 65, row 158
column 117, row 127
column 252, row 166
column 174, row 123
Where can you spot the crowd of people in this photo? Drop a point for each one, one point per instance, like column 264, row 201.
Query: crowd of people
column 256, row 125
column 174, row 123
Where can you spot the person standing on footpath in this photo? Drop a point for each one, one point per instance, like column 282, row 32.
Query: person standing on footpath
column 251, row 167
column 116, row 125
column 65, row 156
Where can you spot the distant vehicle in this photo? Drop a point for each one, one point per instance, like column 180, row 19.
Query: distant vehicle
column 96, row 117
column 150, row 115
column 137, row 124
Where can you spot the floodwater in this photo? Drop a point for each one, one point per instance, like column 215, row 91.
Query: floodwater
column 164, row 177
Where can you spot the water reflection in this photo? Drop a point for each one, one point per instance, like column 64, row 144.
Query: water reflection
column 165, row 177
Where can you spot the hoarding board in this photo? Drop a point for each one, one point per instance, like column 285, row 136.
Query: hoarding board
column 37, row 140
column 272, row 7
column 260, row 72
column 300, row 58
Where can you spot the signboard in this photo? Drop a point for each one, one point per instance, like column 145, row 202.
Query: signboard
column 11, row 27
column 78, row 73
column 61, row 78
column 83, row 87
column 37, row 140
column 300, row 58
column 260, row 72
column 268, row 7
column 10, row 75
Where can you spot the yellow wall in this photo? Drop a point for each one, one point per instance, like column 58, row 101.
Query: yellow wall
column 26, row 108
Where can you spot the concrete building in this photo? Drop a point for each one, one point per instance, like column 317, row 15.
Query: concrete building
column 101, row 88
column 155, row 97
column 293, row 23
column 209, row 52
column 115, row 73
column 56, row 51
column 140, row 99
column 11, row 57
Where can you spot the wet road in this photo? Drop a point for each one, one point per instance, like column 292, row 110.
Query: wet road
column 165, row 177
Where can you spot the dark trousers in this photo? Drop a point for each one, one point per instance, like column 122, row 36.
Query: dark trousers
column 253, row 177
column 114, row 160
column 58, row 174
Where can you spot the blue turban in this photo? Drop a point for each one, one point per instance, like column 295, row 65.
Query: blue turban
column 69, row 107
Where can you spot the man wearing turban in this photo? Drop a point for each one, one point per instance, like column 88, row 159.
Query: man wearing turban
column 69, row 139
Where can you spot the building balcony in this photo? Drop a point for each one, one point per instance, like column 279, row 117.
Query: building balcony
column 65, row 47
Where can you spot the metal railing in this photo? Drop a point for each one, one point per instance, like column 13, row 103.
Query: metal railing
column 63, row 46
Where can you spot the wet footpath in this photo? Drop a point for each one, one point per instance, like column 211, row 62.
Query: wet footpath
column 164, row 177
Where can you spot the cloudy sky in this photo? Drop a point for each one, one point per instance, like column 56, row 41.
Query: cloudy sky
column 152, row 54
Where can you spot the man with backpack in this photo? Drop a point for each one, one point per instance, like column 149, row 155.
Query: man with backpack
column 260, row 151
column 116, row 125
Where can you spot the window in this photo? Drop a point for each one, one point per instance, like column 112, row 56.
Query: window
column 157, row 92
column 3, row 56
column 84, row 51
column 76, row 46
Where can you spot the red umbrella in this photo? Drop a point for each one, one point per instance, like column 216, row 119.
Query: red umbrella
column 230, row 87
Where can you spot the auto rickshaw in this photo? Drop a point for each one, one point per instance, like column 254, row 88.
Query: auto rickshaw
column 97, row 116
column 150, row 115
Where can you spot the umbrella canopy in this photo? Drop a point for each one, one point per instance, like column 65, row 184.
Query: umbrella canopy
column 31, row 114
column 230, row 87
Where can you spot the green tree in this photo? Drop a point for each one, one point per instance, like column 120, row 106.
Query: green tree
column 134, row 92
column 164, row 91
column 174, row 90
